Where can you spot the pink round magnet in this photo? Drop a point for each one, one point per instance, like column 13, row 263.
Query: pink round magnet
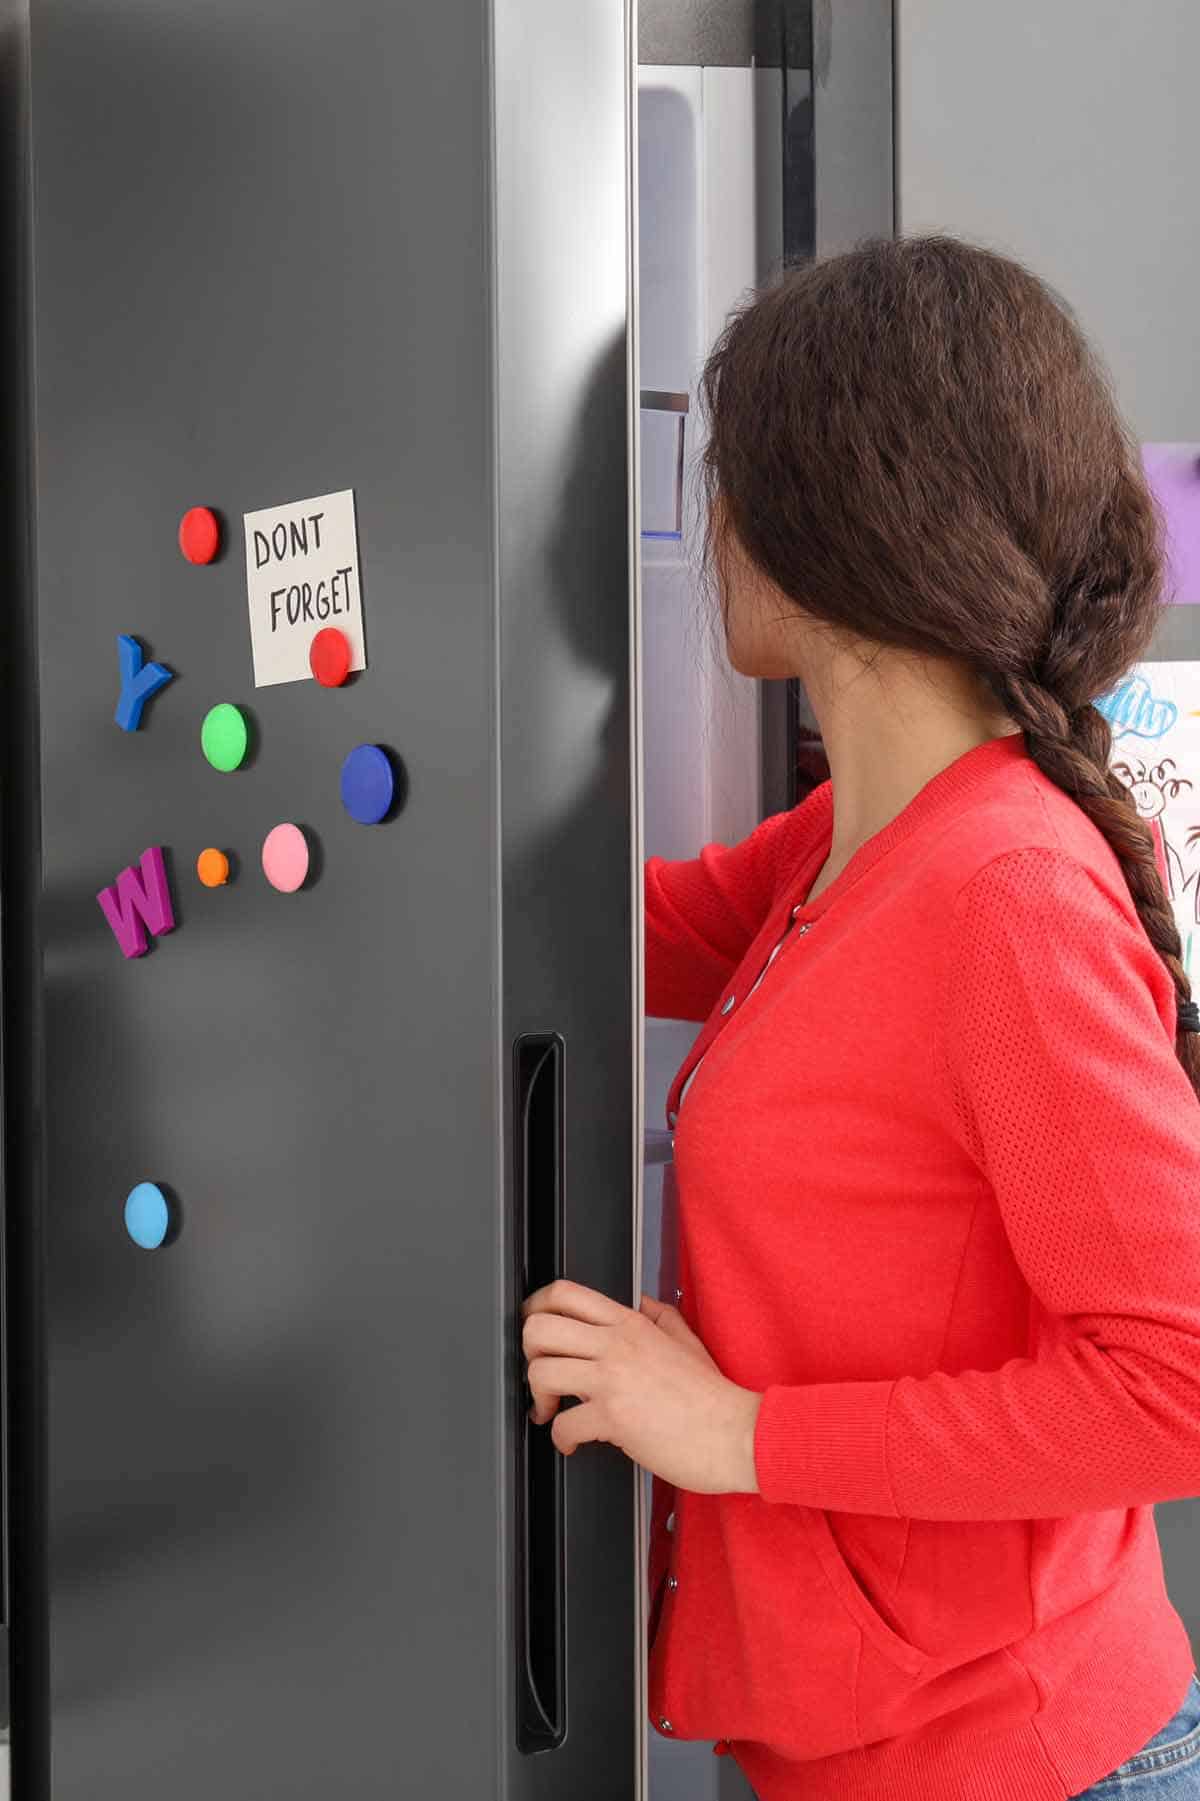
column 285, row 858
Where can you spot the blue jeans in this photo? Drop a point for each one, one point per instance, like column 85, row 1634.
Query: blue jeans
column 1165, row 1769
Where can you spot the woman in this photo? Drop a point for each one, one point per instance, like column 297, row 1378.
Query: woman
column 937, row 1348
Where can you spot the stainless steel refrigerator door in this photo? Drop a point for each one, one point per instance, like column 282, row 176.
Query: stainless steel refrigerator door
column 281, row 250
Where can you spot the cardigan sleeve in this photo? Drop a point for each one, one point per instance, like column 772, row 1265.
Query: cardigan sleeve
column 702, row 915
column 1058, row 1021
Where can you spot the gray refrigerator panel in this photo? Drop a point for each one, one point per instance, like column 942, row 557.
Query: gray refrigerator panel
column 272, row 261
column 17, row 821
column 563, row 76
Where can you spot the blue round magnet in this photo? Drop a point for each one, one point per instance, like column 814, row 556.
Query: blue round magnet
column 147, row 1215
column 368, row 784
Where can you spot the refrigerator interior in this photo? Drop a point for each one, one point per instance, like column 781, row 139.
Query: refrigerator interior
column 708, row 204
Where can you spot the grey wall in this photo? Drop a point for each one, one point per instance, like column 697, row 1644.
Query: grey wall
column 1069, row 135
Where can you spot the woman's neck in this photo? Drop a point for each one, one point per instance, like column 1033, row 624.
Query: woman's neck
column 890, row 722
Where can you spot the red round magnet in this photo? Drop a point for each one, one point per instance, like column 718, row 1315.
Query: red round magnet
column 329, row 657
column 199, row 535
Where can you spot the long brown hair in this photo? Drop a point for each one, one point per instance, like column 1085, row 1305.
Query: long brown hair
column 915, row 442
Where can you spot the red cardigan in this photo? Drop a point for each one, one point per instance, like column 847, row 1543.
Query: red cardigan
column 939, row 1195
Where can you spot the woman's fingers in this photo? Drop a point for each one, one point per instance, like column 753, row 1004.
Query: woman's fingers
column 576, row 1302
column 576, row 1426
column 563, row 1331
column 650, row 1388
column 554, row 1335
column 552, row 1377
column 668, row 1319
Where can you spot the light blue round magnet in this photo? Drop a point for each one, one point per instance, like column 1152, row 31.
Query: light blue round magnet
column 147, row 1216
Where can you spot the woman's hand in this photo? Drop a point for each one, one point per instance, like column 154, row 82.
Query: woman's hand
column 644, row 1382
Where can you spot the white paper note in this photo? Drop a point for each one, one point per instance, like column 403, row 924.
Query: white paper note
column 301, row 576
column 1154, row 712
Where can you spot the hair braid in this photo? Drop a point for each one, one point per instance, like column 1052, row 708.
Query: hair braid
column 915, row 443
column 1072, row 749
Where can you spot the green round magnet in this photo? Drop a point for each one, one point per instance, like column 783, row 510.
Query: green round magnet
column 223, row 737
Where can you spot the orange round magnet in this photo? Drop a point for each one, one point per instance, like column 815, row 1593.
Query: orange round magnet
column 212, row 866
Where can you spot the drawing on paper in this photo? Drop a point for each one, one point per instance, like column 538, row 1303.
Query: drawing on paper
column 1155, row 717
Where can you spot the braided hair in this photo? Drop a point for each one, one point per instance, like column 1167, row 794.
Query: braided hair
column 915, row 442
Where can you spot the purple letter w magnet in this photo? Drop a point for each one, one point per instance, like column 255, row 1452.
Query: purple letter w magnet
column 139, row 898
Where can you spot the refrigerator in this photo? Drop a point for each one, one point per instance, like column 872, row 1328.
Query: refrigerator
column 326, row 320
column 277, row 1523
column 274, row 1522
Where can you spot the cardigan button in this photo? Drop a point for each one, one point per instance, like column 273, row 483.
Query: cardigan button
column 665, row 1726
column 670, row 1522
column 729, row 1005
column 678, row 1296
column 672, row 1582
column 672, row 1117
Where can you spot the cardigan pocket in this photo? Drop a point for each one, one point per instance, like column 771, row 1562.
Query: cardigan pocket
column 752, row 1646
column 857, row 1603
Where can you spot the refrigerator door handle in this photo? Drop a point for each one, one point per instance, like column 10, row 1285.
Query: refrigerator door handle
column 538, row 1071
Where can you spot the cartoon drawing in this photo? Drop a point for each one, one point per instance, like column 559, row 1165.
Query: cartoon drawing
column 1158, row 703
column 1193, row 839
column 1132, row 706
column 1150, row 788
